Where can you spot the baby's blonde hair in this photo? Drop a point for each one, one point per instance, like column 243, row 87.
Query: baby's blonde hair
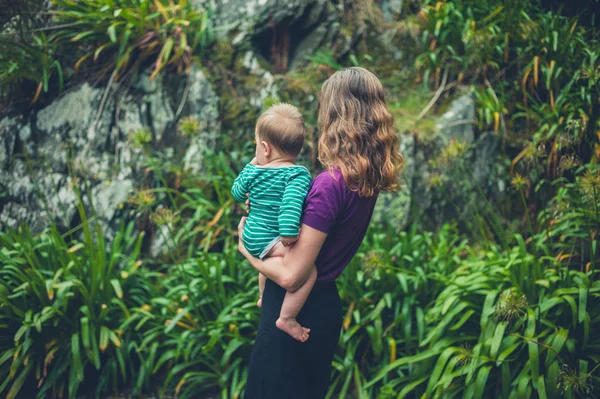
column 282, row 126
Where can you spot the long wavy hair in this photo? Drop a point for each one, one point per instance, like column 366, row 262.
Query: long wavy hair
column 357, row 132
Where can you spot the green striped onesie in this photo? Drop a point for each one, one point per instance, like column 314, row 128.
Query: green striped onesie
column 276, row 196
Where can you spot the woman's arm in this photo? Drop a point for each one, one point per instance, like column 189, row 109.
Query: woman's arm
column 292, row 270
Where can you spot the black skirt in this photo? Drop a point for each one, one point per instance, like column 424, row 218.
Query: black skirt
column 281, row 367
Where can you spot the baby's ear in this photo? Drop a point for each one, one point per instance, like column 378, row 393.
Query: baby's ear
column 267, row 148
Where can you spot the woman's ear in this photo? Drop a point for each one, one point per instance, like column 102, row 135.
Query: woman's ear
column 266, row 148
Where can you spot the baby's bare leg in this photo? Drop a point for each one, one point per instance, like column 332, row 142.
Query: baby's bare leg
column 261, row 288
column 292, row 304
column 277, row 250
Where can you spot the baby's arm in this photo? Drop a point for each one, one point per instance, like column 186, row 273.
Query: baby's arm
column 290, row 211
column 240, row 186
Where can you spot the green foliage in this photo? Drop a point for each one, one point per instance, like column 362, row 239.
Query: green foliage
column 456, row 321
column 203, row 317
column 541, row 67
column 118, row 36
column 386, row 292
column 490, row 109
column 572, row 220
column 62, row 303
column 35, row 63
column 125, row 32
column 425, row 313
column 325, row 58
column 82, row 311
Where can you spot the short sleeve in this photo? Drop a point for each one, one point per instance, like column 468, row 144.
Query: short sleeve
column 324, row 202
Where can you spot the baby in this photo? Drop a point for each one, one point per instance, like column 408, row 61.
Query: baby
column 277, row 189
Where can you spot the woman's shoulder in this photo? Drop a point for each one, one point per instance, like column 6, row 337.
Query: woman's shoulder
column 329, row 184
column 331, row 178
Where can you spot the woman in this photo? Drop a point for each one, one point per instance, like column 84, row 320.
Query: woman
column 359, row 149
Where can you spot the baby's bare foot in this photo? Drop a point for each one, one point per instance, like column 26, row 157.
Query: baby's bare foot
column 293, row 328
column 259, row 302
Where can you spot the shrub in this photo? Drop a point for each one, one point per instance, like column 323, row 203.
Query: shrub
column 124, row 33
column 444, row 319
column 29, row 63
column 62, row 304
column 539, row 67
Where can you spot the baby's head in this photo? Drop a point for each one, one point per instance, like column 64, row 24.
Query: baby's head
column 280, row 134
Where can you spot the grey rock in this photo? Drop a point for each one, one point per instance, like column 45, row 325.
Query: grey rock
column 40, row 190
column 486, row 150
column 13, row 214
column 388, row 41
column 395, row 207
column 130, row 118
column 458, row 122
column 160, row 244
column 35, row 200
column 202, row 104
column 73, row 122
column 156, row 103
column 76, row 109
column 108, row 197
column 309, row 24
column 459, row 185
column 59, row 197
column 24, row 137
column 267, row 87
column 391, row 9
column 202, row 101
column 318, row 38
column 9, row 129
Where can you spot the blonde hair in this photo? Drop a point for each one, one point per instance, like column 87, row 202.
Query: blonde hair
column 357, row 132
column 283, row 127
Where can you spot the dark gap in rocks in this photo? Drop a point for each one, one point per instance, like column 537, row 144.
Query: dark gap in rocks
column 148, row 121
column 17, row 150
column 108, row 145
column 279, row 41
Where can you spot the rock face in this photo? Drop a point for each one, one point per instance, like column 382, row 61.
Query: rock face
column 99, row 136
column 283, row 31
column 391, row 9
column 445, row 178
column 457, row 122
column 89, row 135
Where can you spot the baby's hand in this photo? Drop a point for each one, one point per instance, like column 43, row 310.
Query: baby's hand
column 288, row 241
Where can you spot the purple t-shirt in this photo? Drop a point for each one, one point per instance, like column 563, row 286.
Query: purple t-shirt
column 332, row 208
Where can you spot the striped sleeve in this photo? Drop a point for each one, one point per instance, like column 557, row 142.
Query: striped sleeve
column 290, row 211
column 240, row 184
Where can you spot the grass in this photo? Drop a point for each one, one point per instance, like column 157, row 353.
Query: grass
column 406, row 107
